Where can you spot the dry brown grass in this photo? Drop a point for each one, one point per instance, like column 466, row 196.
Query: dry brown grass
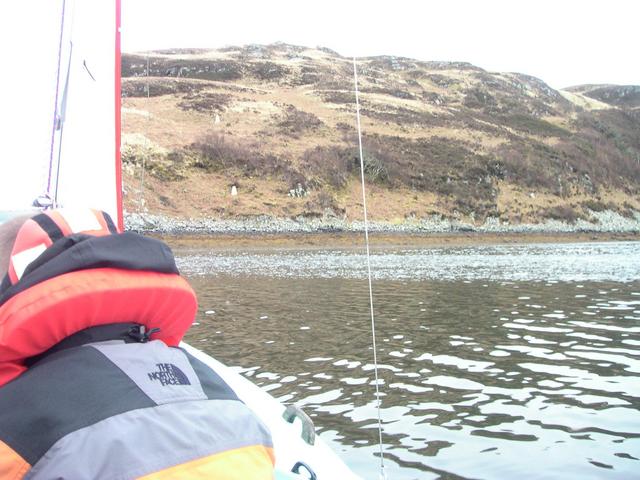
column 409, row 117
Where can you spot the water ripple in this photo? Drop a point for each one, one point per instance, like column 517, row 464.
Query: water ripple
column 479, row 378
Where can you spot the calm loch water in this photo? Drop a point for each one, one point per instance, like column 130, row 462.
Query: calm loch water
column 496, row 362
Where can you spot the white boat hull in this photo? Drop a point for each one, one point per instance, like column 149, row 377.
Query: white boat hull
column 289, row 446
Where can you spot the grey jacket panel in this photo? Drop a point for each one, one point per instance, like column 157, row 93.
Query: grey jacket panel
column 164, row 374
column 69, row 390
column 147, row 440
column 114, row 410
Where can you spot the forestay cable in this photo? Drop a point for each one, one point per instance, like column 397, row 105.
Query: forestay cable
column 147, row 143
column 366, row 237
column 50, row 198
column 56, row 123
column 62, row 117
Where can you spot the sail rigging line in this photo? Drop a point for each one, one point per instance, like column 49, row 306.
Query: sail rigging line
column 366, row 237
column 56, row 119
column 63, row 111
column 146, row 142
column 86, row 67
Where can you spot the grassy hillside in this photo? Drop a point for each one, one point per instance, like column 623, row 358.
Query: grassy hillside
column 446, row 138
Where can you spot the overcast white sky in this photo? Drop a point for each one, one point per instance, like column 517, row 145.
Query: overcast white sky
column 564, row 42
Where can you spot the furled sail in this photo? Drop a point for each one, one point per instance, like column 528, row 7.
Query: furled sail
column 62, row 106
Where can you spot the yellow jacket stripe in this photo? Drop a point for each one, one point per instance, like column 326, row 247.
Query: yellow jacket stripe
column 239, row 464
column 12, row 465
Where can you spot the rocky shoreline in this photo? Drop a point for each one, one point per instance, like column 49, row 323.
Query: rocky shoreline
column 602, row 222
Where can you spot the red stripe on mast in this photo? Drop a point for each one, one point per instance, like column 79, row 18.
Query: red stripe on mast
column 120, row 219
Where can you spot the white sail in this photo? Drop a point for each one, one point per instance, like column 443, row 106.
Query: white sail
column 63, row 61
column 89, row 150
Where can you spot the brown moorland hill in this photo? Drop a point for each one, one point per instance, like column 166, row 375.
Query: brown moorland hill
column 447, row 138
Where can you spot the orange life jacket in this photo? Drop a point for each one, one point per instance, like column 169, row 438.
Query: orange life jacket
column 70, row 271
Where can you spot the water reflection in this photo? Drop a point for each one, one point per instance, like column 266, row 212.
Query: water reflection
column 481, row 378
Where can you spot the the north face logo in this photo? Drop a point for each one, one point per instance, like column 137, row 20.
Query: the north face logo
column 169, row 374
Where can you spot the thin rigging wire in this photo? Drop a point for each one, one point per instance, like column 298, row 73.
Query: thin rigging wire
column 61, row 116
column 146, row 142
column 366, row 237
column 55, row 125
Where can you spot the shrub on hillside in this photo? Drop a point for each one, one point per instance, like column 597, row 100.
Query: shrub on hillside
column 440, row 165
column 322, row 203
column 334, row 165
column 605, row 151
column 394, row 91
column 217, row 153
column 157, row 162
column 597, row 205
column 401, row 115
column 345, row 127
column 205, row 102
column 268, row 70
column 375, row 163
column 530, row 164
column 563, row 213
column 339, row 97
column 628, row 210
column 329, row 165
column 295, row 122
column 534, row 126
column 478, row 98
